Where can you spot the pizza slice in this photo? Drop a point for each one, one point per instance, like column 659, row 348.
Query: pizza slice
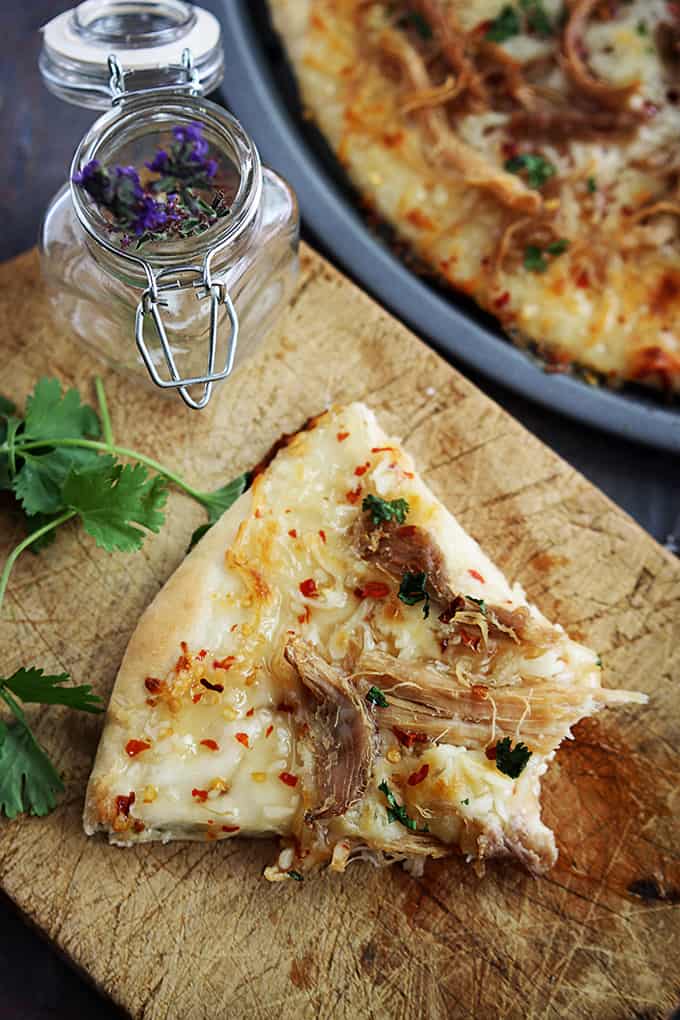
column 338, row 663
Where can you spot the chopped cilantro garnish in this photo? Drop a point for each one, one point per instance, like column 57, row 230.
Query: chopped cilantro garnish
column 557, row 247
column 376, row 697
column 538, row 170
column 598, row 661
column 480, row 602
column 511, row 760
column 296, row 876
column 466, row 801
column 396, row 812
column 382, row 510
column 592, row 185
column 504, row 26
column 412, row 590
column 537, row 19
column 642, row 28
column 534, row 259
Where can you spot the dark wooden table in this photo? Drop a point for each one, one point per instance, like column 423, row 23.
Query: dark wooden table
column 39, row 134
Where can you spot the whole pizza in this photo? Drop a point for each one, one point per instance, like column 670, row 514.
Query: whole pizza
column 527, row 151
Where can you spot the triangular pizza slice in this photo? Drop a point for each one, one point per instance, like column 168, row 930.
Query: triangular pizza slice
column 338, row 663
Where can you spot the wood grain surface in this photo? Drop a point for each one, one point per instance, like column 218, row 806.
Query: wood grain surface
column 193, row 931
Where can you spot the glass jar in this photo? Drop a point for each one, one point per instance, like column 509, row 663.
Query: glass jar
column 181, row 311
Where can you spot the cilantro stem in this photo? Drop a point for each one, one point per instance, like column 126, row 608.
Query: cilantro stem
column 121, row 451
column 104, row 411
column 18, row 549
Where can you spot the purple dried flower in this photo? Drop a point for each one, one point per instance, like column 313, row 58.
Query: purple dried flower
column 151, row 216
column 188, row 133
column 159, row 163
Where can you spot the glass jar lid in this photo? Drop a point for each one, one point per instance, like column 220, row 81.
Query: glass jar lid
column 102, row 50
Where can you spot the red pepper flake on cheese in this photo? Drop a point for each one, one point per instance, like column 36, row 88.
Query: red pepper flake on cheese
column 212, row 687
column 268, row 732
column 419, row 775
column 491, row 753
column 200, row 795
column 154, row 685
column 251, row 711
column 293, row 533
column 134, row 747
column 342, row 436
column 382, row 449
column 196, row 698
column 354, row 495
column 322, row 535
column 123, row 804
column 230, row 828
column 408, row 738
column 309, row 588
column 479, row 692
column 243, row 739
column 502, row 300
column 362, row 469
column 184, row 661
column 226, row 663
column 477, row 576
column 288, row 778
column 202, row 654
column 212, row 745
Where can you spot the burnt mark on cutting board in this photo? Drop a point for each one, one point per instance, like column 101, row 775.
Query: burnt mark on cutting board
column 303, row 972
column 650, row 891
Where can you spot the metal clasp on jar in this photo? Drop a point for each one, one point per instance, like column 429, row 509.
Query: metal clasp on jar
column 150, row 305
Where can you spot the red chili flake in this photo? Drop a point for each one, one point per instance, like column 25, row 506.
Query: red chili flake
column 243, row 739
column 196, row 698
column 226, row 663
column 362, row 469
column 309, row 588
column 491, row 753
column 417, row 777
column 382, row 449
column 211, row 821
column 408, row 474
column 134, row 747
column 479, row 692
column 342, row 436
column 502, row 300
column 477, row 576
column 408, row 738
column 258, row 513
column 288, row 778
column 373, row 590
column 123, row 804
column 230, row 828
column 354, row 495
column 293, row 533
column 202, row 654
column 268, row 732
column 201, row 795
column 283, row 707
column 582, row 279
column 251, row 711
column 153, row 685
column 138, row 825
column 469, row 641
column 212, row 687
column 306, row 616
column 322, row 535
column 510, row 149
column 211, row 745
column 184, row 661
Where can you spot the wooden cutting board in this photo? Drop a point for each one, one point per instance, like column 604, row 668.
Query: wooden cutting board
column 193, row 931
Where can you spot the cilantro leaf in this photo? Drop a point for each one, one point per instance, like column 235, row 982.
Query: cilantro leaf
column 385, row 509
column 504, row 26
column 218, row 502
column 28, row 780
column 534, row 259
column 592, row 185
column 396, row 812
column 557, row 247
column 6, row 407
column 413, row 590
column 537, row 18
column 480, row 602
column 113, row 499
column 376, row 697
column 32, row 685
column 51, row 415
column 38, row 484
column 511, row 760
column 538, row 169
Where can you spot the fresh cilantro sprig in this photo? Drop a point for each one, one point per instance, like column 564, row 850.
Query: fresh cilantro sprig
column 384, row 510
column 396, row 812
column 413, row 590
column 537, row 169
column 376, row 697
column 509, row 21
column 535, row 257
column 59, row 461
column 511, row 760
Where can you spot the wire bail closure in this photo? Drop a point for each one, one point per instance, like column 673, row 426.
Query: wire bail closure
column 150, row 304
column 119, row 93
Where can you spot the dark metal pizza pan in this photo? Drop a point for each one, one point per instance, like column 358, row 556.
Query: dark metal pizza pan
column 260, row 89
